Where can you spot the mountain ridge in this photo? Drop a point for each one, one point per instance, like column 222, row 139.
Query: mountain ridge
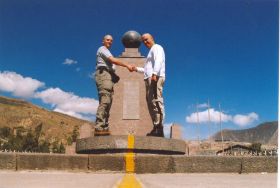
column 264, row 133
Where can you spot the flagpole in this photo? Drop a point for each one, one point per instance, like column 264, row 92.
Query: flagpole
column 209, row 120
column 198, row 123
column 221, row 128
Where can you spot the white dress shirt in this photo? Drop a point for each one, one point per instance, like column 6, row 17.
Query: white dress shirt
column 155, row 62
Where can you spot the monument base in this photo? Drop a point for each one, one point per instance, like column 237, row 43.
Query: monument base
column 130, row 143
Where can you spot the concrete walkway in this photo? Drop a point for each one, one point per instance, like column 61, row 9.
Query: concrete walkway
column 60, row 179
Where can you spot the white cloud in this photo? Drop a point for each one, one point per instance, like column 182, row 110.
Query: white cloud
column 70, row 113
column 243, row 120
column 203, row 116
column 68, row 103
column 239, row 119
column 75, row 114
column 61, row 101
column 204, row 105
column 68, row 61
column 18, row 85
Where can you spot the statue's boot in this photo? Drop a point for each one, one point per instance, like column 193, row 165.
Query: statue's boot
column 153, row 132
column 159, row 131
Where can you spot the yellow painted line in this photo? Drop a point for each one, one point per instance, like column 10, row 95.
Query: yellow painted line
column 129, row 157
column 129, row 180
column 130, row 141
column 129, row 163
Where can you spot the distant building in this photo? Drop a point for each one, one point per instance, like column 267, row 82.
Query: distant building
column 224, row 140
column 242, row 150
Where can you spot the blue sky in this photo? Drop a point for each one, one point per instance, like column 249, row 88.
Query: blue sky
column 224, row 52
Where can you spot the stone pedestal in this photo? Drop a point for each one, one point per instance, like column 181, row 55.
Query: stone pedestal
column 122, row 144
column 129, row 112
column 85, row 131
column 175, row 131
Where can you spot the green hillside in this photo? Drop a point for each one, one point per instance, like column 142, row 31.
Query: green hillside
column 21, row 117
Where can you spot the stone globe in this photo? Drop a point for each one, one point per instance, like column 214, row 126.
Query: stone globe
column 131, row 39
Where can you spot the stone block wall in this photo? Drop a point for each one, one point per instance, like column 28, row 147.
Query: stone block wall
column 144, row 163
column 51, row 162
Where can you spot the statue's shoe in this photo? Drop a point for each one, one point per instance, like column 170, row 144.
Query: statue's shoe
column 98, row 132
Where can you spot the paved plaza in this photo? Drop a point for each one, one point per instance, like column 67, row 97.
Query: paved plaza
column 61, row 179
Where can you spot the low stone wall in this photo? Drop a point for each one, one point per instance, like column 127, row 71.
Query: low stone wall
column 144, row 163
column 207, row 164
column 51, row 162
column 8, row 161
column 259, row 164
column 107, row 162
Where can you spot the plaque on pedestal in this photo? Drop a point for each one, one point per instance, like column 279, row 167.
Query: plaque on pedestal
column 131, row 100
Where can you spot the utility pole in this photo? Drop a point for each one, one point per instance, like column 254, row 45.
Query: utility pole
column 198, row 129
column 209, row 119
column 221, row 128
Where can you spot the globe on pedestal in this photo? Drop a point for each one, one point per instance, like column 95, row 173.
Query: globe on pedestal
column 131, row 39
